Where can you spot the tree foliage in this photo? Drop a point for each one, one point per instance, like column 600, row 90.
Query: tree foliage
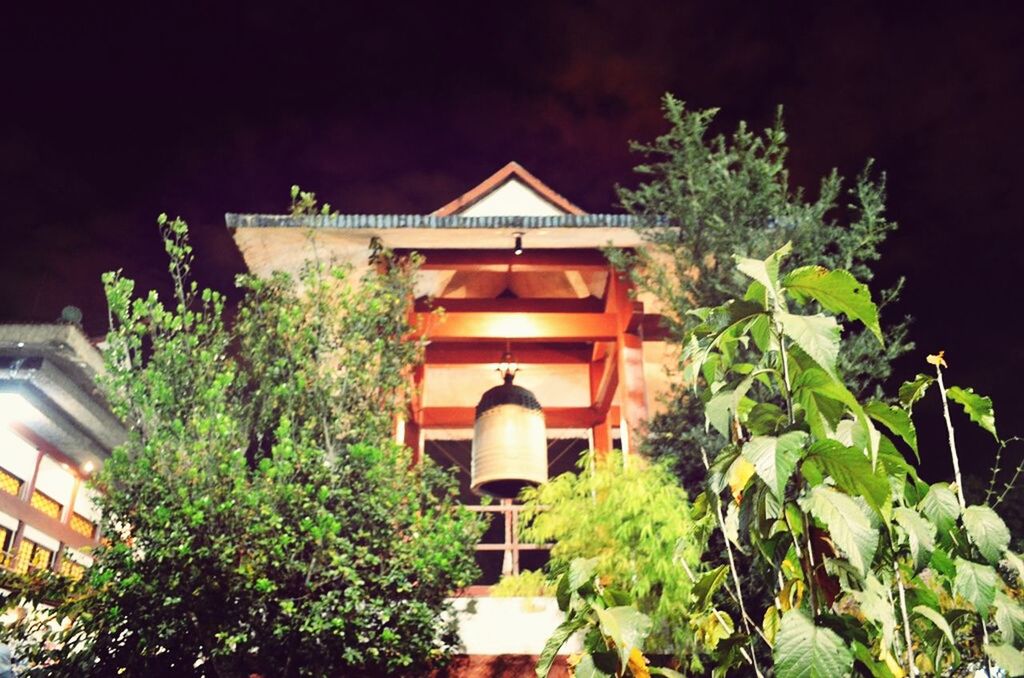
column 259, row 519
column 634, row 521
column 703, row 197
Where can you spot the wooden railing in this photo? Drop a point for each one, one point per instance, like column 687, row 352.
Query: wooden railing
column 511, row 546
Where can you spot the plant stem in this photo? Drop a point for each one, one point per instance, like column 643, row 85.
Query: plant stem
column 952, row 441
column 785, row 371
column 991, row 489
column 1016, row 474
column 906, row 621
column 959, row 484
column 732, row 570
column 811, row 581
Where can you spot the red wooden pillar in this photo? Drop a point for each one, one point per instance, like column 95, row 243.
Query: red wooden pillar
column 632, row 385
column 603, row 381
column 630, row 360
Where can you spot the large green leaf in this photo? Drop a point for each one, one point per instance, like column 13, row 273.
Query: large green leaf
column 1007, row 657
column 775, row 459
column 765, row 271
column 838, row 292
column 803, row 650
column 708, row 584
column 987, row 531
column 920, row 534
column 718, row 412
column 581, row 571
column 626, row 626
column 823, row 403
column 847, row 523
column 571, row 625
column 936, row 618
column 816, row 335
column 597, row 665
column 941, row 506
column 895, row 419
column 851, row 471
column 914, row 390
column 976, row 583
column 978, row 407
column 1009, row 617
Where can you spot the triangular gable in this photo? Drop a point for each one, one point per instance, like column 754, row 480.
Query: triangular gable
column 509, row 186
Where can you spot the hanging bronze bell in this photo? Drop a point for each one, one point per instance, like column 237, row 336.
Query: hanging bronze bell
column 510, row 449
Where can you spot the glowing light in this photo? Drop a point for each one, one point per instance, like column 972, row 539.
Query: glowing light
column 88, row 467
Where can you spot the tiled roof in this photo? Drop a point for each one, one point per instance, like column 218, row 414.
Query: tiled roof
column 491, row 183
column 383, row 221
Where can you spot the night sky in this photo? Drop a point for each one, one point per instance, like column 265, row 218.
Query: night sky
column 108, row 117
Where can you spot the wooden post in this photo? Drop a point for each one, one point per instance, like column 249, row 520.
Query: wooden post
column 629, row 357
column 603, row 385
column 30, row 485
column 507, row 562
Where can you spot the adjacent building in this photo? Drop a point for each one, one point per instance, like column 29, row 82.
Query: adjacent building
column 55, row 431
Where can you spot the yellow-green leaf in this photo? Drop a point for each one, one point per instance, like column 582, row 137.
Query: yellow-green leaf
column 836, row 291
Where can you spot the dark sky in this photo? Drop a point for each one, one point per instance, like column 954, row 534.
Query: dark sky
column 109, row 115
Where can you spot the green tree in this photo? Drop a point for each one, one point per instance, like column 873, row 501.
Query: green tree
column 259, row 519
column 704, row 197
column 632, row 518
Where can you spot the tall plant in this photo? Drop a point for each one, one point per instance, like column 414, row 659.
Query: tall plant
column 878, row 572
column 259, row 519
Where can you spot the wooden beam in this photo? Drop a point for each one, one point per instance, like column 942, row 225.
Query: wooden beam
column 606, row 383
column 33, row 517
column 649, row 326
column 484, row 353
column 501, row 260
column 512, row 305
column 533, row 327
column 554, row 417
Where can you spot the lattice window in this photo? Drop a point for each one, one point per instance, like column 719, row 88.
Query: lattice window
column 10, row 483
column 83, row 526
column 6, row 541
column 47, row 505
column 30, row 555
column 71, row 569
column 40, row 558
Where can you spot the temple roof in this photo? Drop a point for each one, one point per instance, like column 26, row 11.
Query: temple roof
column 394, row 221
column 512, row 184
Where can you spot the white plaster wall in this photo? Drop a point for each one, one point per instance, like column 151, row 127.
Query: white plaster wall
column 16, row 454
column 41, row 538
column 512, row 199
column 10, row 522
column 54, row 481
column 84, row 505
column 490, row 626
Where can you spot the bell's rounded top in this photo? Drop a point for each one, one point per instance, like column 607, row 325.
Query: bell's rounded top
column 507, row 394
